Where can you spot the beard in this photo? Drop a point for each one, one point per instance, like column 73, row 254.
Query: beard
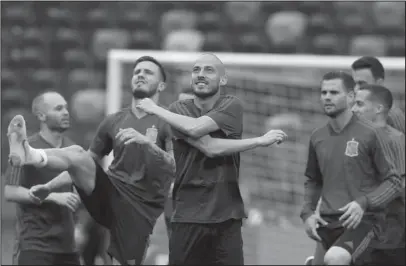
column 58, row 128
column 335, row 113
column 205, row 94
column 141, row 93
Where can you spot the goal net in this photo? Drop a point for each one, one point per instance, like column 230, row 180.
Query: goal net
column 278, row 91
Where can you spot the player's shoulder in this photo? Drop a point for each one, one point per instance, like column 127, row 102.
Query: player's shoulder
column 176, row 106
column 113, row 117
column 371, row 131
column 68, row 141
column 319, row 132
column 227, row 99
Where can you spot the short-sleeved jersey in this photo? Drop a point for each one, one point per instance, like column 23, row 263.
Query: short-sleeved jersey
column 396, row 119
column 351, row 165
column 47, row 227
column 132, row 166
column 206, row 190
column 393, row 233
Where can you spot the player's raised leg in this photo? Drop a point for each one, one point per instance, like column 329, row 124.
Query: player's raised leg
column 74, row 159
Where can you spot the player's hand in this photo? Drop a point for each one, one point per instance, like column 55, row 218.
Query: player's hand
column 353, row 213
column 66, row 199
column 130, row 135
column 273, row 136
column 312, row 223
column 147, row 105
column 39, row 192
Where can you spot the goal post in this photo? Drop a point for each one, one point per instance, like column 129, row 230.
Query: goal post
column 275, row 88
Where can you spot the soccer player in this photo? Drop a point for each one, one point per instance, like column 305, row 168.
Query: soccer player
column 130, row 197
column 207, row 204
column 45, row 230
column 373, row 102
column 369, row 70
column 349, row 165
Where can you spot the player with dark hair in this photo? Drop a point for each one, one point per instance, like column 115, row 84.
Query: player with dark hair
column 373, row 102
column 130, row 196
column 207, row 204
column 369, row 70
column 45, row 230
column 350, row 166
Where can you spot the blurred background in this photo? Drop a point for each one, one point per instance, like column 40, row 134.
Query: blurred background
column 63, row 46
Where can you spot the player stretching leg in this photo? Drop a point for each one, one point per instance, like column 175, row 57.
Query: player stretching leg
column 350, row 166
column 373, row 103
column 130, row 197
column 45, row 230
column 368, row 70
column 207, row 204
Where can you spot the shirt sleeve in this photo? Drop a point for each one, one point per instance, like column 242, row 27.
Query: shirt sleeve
column 384, row 157
column 102, row 143
column 14, row 175
column 396, row 119
column 229, row 116
column 313, row 184
column 165, row 137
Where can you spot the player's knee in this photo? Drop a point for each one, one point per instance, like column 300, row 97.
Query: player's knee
column 337, row 256
column 76, row 154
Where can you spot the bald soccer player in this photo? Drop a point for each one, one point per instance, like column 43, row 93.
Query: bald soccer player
column 130, row 196
column 207, row 205
column 45, row 230
column 350, row 166
column 373, row 102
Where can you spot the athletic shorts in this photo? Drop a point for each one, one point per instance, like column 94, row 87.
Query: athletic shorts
column 129, row 230
column 206, row 244
column 35, row 257
column 355, row 241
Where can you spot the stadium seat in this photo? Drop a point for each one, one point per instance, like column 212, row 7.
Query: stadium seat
column 35, row 37
column 14, row 97
column 62, row 17
column 371, row 45
column 76, row 58
column 389, row 17
column 320, row 23
column 250, row 43
column 33, row 57
column 17, row 14
column 242, row 12
column 286, row 28
column 175, row 41
column 82, row 78
column 209, row 21
column 97, row 18
column 216, row 42
column 327, row 44
column 106, row 39
column 66, row 38
column 9, row 79
column 177, row 20
column 135, row 20
column 143, row 39
column 352, row 16
column 45, row 79
column 396, row 45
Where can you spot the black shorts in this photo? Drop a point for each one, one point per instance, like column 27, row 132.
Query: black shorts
column 206, row 244
column 129, row 229
column 35, row 257
column 377, row 257
column 355, row 241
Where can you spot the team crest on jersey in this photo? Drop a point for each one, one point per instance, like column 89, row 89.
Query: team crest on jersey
column 152, row 133
column 352, row 148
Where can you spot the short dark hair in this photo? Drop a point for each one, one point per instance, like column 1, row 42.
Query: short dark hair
column 346, row 78
column 379, row 94
column 38, row 101
column 371, row 63
column 152, row 60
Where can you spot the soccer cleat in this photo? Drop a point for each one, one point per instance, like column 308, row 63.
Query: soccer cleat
column 309, row 260
column 17, row 138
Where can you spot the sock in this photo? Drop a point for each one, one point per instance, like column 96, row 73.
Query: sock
column 39, row 157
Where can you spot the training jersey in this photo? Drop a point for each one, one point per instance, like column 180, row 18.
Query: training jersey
column 396, row 119
column 133, row 165
column 352, row 165
column 47, row 227
column 206, row 190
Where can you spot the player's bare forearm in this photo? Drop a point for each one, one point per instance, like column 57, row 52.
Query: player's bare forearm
column 312, row 193
column 390, row 189
column 193, row 127
column 18, row 194
column 161, row 156
column 61, row 180
column 213, row 147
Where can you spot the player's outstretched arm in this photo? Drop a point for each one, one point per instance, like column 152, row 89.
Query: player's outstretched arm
column 213, row 147
column 386, row 154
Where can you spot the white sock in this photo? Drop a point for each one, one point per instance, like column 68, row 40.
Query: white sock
column 39, row 157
